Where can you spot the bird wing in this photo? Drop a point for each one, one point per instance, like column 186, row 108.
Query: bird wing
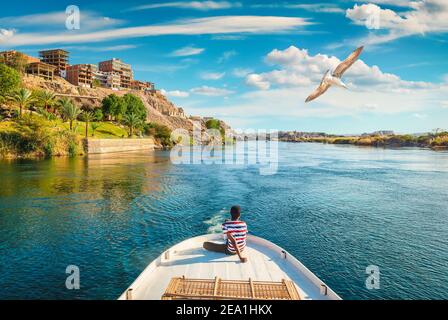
column 347, row 63
column 323, row 86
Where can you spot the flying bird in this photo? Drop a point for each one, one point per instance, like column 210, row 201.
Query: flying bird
column 334, row 78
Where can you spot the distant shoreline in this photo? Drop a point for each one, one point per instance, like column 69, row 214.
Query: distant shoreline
column 429, row 141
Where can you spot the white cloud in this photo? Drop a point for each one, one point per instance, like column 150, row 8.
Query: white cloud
column 298, row 68
column 187, row 51
column 419, row 115
column 211, row 91
column 444, row 104
column 258, row 81
column 195, row 5
column 288, row 103
column 89, row 20
column 312, row 7
column 397, row 3
column 241, row 72
column 227, row 55
column 212, row 75
column 230, row 37
column 5, row 34
column 121, row 47
column 210, row 25
column 422, row 17
column 297, row 73
column 175, row 93
column 317, row 7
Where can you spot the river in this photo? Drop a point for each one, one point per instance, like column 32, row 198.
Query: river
column 338, row 209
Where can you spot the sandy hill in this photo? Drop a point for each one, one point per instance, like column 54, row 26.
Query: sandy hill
column 160, row 109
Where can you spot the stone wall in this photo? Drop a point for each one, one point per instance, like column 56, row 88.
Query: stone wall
column 118, row 145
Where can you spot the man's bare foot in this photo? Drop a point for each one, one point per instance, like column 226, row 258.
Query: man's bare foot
column 243, row 259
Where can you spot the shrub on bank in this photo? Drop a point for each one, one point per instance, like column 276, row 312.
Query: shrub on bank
column 160, row 132
column 35, row 136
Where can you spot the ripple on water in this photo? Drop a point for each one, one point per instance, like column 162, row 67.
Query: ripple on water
column 336, row 208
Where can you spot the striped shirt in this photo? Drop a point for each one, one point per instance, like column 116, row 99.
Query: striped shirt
column 238, row 229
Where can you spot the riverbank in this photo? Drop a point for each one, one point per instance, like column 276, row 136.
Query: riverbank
column 33, row 136
column 433, row 141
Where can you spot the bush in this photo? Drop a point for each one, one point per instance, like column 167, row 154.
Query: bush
column 160, row 132
column 9, row 80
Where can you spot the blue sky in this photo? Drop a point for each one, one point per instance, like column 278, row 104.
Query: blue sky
column 253, row 63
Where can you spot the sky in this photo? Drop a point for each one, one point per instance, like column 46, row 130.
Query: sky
column 253, row 63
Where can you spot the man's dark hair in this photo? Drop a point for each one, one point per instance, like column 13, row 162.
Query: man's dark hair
column 235, row 212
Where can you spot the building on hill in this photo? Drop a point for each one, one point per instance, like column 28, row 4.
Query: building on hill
column 80, row 75
column 9, row 57
column 117, row 66
column 41, row 69
column 383, row 133
column 110, row 80
column 142, row 85
column 57, row 58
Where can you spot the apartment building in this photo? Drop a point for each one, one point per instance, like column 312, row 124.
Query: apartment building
column 117, row 66
column 142, row 85
column 41, row 69
column 80, row 75
column 113, row 74
column 111, row 80
column 57, row 58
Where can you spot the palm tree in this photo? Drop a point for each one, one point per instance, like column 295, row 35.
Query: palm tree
column 47, row 98
column 132, row 121
column 23, row 98
column 87, row 117
column 69, row 111
column 94, row 126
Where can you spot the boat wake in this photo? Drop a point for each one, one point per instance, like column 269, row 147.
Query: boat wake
column 216, row 221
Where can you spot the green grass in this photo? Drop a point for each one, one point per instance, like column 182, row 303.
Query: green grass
column 106, row 130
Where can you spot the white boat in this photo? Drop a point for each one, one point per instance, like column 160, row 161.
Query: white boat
column 267, row 263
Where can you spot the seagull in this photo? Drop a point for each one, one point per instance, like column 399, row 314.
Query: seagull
column 334, row 78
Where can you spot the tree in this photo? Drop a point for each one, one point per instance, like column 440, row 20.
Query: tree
column 87, row 117
column 9, row 80
column 70, row 111
column 98, row 114
column 112, row 105
column 23, row 98
column 132, row 121
column 95, row 126
column 46, row 98
column 134, row 105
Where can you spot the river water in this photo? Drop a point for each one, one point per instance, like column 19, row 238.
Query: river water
column 338, row 209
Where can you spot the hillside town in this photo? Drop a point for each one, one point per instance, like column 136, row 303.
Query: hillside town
column 113, row 74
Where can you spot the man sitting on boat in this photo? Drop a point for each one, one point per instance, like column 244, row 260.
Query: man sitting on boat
column 236, row 231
